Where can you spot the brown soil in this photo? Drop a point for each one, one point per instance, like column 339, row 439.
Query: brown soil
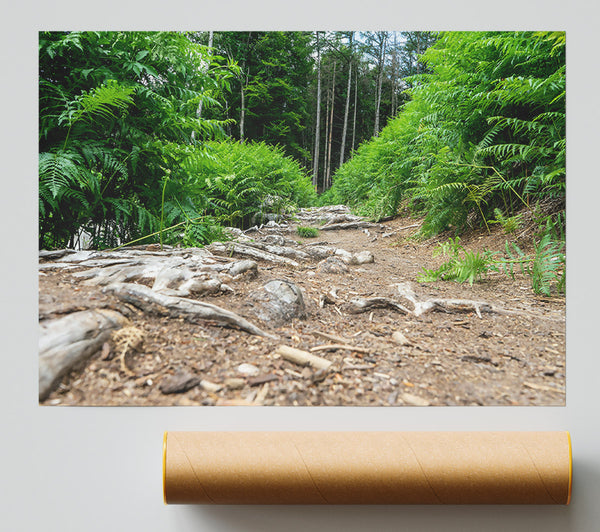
column 454, row 359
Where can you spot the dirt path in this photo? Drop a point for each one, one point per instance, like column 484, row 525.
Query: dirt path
column 446, row 359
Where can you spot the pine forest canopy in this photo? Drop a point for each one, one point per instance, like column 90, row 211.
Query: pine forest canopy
column 174, row 134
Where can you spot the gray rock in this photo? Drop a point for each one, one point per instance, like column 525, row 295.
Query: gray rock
column 332, row 265
column 181, row 382
column 279, row 301
column 364, row 257
column 274, row 240
column 320, row 252
column 242, row 266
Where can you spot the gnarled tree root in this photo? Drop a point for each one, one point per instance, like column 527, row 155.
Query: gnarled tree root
column 69, row 341
column 155, row 303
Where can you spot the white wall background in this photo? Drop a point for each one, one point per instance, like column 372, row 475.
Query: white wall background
column 99, row 469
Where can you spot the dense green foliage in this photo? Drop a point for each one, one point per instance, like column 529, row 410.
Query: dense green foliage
column 116, row 110
column 484, row 130
column 242, row 182
column 168, row 136
column 124, row 152
column 275, row 73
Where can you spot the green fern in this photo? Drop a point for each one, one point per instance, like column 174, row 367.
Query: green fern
column 59, row 171
column 509, row 223
column 548, row 265
column 103, row 101
column 471, row 267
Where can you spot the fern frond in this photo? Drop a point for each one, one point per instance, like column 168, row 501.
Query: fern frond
column 102, row 101
column 59, row 171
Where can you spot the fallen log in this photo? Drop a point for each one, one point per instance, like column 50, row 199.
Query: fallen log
column 178, row 307
column 68, row 342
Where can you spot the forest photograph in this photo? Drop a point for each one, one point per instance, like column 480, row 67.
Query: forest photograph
column 302, row 218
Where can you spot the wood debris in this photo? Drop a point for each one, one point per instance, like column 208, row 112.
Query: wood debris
column 335, row 347
column 126, row 340
column 302, row 358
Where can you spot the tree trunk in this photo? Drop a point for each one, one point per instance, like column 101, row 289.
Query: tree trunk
column 395, row 76
column 345, row 130
column 210, row 44
column 379, row 82
column 243, row 84
column 242, row 111
column 355, row 107
column 315, row 178
column 327, row 183
column 327, row 105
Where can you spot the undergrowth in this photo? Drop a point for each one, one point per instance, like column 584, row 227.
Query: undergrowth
column 545, row 266
column 307, row 232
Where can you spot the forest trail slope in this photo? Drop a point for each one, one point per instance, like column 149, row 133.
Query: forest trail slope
column 358, row 320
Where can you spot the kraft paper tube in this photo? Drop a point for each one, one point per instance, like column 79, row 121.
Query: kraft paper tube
column 367, row 467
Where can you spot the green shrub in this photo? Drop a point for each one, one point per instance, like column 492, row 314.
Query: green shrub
column 240, row 183
column 471, row 267
column 484, row 129
column 509, row 223
column 307, row 232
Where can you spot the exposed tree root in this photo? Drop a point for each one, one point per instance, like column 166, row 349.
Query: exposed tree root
column 66, row 343
column 244, row 250
column 361, row 304
column 179, row 307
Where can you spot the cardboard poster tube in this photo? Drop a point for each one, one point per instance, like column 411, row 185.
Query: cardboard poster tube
column 367, row 468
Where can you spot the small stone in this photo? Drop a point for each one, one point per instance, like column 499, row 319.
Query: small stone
column 399, row 338
column 414, row 400
column 248, row 369
column 234, row 383
column 242, row 266
column 181, row 382
column 346, row 256
column 262, row 379
column 307, row 373
column 210, row 386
